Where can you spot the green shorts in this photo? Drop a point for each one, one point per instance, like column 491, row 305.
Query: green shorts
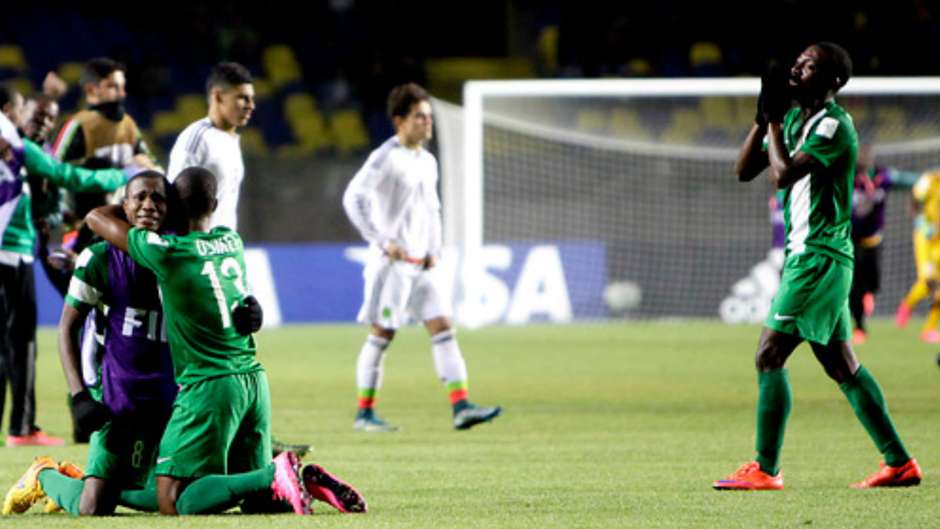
column 124, row 451
column 220, row 425
column 813, row 299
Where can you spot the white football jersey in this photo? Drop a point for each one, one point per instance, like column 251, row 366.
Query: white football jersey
column 393, row 198
column 201, row 144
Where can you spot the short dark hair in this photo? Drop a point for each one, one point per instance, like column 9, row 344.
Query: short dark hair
column 7, row 94
column 403, row 97
column 227, row 75
column 99, row 68
column 149, row 173
column 197, row 188
column 836, row 62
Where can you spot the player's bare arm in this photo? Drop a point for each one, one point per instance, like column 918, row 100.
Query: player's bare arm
column 70, row 325
column 752, row 159
column 108, row 222
column 784, row 170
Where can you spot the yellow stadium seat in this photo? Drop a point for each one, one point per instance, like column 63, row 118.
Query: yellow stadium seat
column 70, row 72
column 592, row 121
column 12, row 57
column 280, row 65
column 21, row 85
column 192, row 106
column 349, row 132
column 625, row 123
column 252, row 141
column 704, row 54
column 686, row 124
column 306, row 121
column 189, row 108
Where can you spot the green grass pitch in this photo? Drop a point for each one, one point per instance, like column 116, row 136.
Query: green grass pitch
column 605, row 425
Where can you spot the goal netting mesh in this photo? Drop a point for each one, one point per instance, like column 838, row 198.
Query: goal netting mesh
column 651, row 178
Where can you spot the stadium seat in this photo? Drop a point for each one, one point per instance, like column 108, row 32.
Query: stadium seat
column 252, row 142
column 705, row 56
column 22, row 85
column 890, row 123
column 280, row 65
column 70, row 72
column 12, row 58
column 306, row 123
column 189, row 108
column 446, row 76
column 349, row 132
column 685, row 125
column 547, row 46
column 592, row 121
column 626, row 123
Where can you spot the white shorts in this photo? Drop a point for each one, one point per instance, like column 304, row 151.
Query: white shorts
column 398, row 292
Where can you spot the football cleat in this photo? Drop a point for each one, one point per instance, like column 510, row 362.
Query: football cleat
column 286, row 484
column 859, row 337
column 868, row 303
column 36, row 438
column 931, row 336
column 472, row 415
column 27, row 490
column 902, row 315
column 328, row 488
column 278, row 446
column 906, row 475
column 65, row 468
column 749, row 476
column 368, row 421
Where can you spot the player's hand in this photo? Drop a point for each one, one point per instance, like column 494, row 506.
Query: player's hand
column 62, row 259
column 394, row 252
column 248, row 317
column 429, row 262
column 775, row 95
column 90, row 415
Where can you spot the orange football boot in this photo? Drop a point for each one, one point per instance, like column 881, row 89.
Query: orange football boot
column 906, row 475
column 750, row 477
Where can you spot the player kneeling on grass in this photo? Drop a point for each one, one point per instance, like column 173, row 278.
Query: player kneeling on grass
column 811, row 151
column 123, row 452
column 393, row 203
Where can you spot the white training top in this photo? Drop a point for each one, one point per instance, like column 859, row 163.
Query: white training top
column 201, row 144
column 393, row 198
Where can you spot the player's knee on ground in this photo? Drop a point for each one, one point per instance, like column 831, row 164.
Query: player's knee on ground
column 168, row 491
column 96, row 499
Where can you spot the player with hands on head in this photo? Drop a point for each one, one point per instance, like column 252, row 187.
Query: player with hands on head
column 811, row 151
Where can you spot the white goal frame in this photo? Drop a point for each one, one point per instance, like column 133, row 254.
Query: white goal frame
column 463, row 212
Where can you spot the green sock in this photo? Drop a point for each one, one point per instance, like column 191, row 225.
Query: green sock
column 218, row 493
column 773, row 407
column 143, row 500
column 65, row 491
column 868, row 401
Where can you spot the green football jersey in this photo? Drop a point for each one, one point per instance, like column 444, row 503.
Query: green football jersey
column 818, row 207
column 90, row 278
column 202, row 278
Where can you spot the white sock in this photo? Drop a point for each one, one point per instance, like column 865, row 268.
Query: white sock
column 370, row 363
column 448, row 361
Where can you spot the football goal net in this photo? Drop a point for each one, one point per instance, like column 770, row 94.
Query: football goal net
column 628, row 188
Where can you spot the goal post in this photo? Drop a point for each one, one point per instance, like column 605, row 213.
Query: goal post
column 499, row 184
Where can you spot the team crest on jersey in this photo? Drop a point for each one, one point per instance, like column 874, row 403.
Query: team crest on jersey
column 827, row 127
column 155, row 239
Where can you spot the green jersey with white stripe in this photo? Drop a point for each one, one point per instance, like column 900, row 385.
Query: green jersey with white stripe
column 818, row 207
column 202, row 278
